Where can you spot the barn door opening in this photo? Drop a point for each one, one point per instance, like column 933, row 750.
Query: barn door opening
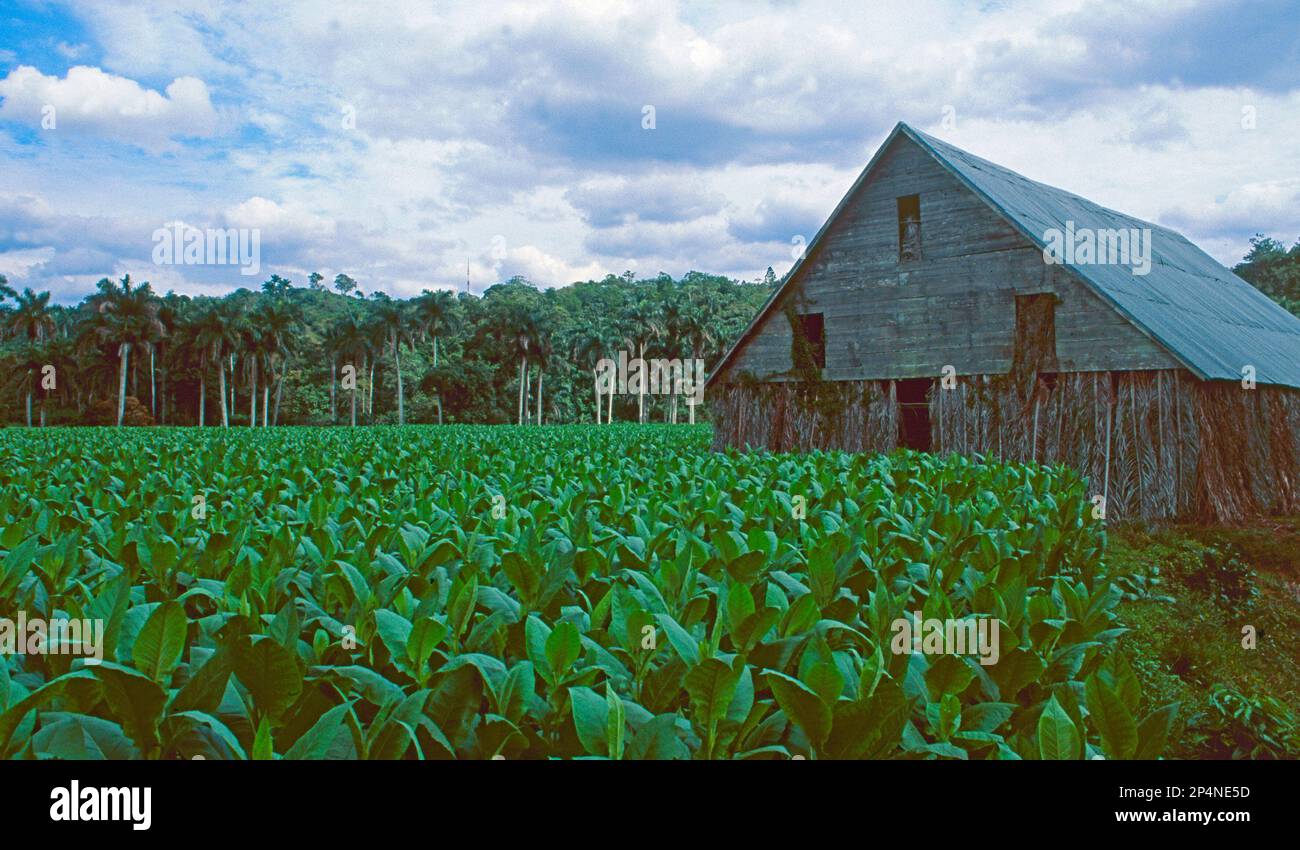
column 914, row 413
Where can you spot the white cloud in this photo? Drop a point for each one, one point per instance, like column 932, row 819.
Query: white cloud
column 524, row 124
column 90, row 100
column 545, row 269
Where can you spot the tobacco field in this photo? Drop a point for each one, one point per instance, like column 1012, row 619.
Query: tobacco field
column 470, row 592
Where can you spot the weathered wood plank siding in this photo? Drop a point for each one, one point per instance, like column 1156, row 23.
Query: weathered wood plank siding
column 955, row 306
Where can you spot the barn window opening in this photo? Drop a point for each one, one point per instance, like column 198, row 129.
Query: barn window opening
column 812, row 327
column 914, row 413
column 1035, row 343
column 909, row 228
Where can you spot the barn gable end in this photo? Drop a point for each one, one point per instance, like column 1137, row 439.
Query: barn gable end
column 955, row 305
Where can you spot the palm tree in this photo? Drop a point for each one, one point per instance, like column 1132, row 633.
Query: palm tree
column 95, row 353
column 33, row 322
column 349, row 342
column 590, row 348
column 61, row 351
column 129, row 318
column 223, row 328
column 255, row 348
column 375, row 337
column 542, row 355
column 434, row 316
column 279, row 320
column 392, row 318
column 699, row 326
column 172, row 312
column 277, row 286
column 335, row 347
column 521, row 330
column 645, row 323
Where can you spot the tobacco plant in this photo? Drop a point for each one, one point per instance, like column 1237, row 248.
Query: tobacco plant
column 617, row 592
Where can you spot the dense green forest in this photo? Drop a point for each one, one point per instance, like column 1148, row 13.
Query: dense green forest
column 1274, row 270
column 129, row 354
column 327, row 352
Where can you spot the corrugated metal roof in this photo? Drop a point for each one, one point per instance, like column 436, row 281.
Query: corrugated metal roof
column 1210, row 319
column 1214, row 322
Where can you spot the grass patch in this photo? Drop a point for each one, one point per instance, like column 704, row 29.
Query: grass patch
column 1190, row 593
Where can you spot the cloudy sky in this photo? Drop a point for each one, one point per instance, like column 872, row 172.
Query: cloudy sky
column 562, row 141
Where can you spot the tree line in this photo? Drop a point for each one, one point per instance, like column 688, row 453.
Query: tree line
column 1274, row 269
column 330, row 353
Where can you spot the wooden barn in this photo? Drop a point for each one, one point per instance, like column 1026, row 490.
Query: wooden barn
column 952, row 305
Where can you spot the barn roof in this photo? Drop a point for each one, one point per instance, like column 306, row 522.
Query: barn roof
column 1212, row 321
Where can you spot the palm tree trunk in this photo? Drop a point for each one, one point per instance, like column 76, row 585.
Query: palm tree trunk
column 232, row 384
column 29, row 408
column 279, row 387
column 674, row 406
column 153, row 388
column 609, row 418
column 401, row 409
column 370, row 393
column 334, row 411
column 252, row 398
column 522, row 361
column 203, row 397
column 221, row 396
column 266, row 403
column 640, row 398
column 124, row 355
column 42, row 412
column 539, row 394
column 354, row 404
column 690, row 402
column 595, row 385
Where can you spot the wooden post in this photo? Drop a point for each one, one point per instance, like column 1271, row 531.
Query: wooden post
column 1033, row 449
column 1160, row 413
column 1105, row 481
column 1178, row 445
column 1137, row 444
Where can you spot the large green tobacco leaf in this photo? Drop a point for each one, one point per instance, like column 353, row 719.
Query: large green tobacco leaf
column 321, row 737
column 803, row 706
column 271, row 674
column 622, row 591
column 136, row 701
column 161, row 642
column 1057, row 736
column 82, row 737
column 1114, row 722
column 591, row 720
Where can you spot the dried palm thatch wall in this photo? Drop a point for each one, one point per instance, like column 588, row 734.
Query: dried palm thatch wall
column 856, row 416
column 1156, row 444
